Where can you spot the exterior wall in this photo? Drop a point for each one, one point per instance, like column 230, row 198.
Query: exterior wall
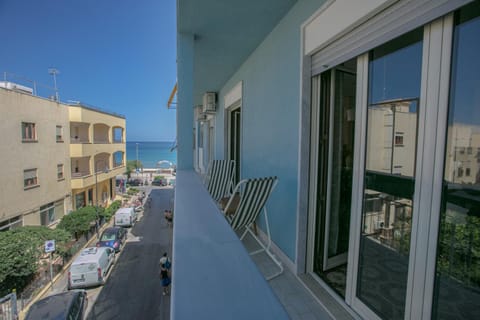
column 92, row 116
column 99, row 147
column 44, row 155
column 273, row 118
column 270, row 119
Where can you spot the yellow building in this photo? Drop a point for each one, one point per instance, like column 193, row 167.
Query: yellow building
column 34, row 153
column 97, row 152
column 54, row 156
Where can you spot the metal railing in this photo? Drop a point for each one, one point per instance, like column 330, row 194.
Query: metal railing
column 38, row 89
column 8, row 307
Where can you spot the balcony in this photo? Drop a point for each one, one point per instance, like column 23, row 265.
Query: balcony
column 85, row 179
column 215, row 277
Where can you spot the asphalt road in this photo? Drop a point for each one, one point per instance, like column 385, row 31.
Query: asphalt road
column 133, row 289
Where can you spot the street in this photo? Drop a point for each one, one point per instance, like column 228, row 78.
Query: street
column 133, row 289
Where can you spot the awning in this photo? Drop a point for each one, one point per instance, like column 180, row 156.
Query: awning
column 172, row 101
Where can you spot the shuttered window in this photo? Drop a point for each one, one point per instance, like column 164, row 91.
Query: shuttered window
column 30, row 178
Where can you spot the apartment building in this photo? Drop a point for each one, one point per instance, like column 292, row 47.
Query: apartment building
column 368, row 113
column 35, row 157
column 97, row 154
column 56, row 157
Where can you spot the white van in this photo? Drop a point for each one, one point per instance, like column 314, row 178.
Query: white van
column 91, row 267
column 125, row 217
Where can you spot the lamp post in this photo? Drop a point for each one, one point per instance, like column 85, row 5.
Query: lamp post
column 96, row 193
column 136, row 163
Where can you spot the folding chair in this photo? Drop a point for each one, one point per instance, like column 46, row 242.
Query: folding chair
column 254, row 194
column 220, row 178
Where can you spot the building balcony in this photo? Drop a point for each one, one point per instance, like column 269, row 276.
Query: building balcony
column 226, row 283
column 85, row 179
column 77, row 140
column 88, row 150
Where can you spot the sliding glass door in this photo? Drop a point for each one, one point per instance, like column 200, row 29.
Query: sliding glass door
column 335, row 163
column 457, row 278
column 392, row 120
column 395, row 191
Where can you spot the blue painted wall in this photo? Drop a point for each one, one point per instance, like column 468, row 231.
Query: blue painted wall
column 270, row 119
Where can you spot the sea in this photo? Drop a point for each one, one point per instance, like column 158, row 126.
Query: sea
column 151, row 152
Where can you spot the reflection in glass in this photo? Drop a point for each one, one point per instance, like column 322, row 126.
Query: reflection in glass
column 457, row 281
column 394, row 90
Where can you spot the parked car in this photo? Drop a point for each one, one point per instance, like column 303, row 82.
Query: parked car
column 125, row 217
column 70, row 305
column 135, row 182
column 159, row 182
column 91, row 267
column 113, row 237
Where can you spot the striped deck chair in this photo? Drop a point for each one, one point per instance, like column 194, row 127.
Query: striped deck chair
column 220, row 178
column 254, row 194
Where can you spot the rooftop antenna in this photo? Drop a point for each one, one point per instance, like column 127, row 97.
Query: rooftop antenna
column 54, row 73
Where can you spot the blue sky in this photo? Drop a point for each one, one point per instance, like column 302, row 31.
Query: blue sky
column 116, row 55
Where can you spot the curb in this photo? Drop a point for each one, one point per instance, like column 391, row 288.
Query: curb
column 42, row 292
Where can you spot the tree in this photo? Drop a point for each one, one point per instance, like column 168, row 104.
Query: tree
column 132, row 166
column 20, row 250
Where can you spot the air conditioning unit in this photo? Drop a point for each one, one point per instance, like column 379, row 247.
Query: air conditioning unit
column 202, row 117
column 209, row 102
column 379, row 224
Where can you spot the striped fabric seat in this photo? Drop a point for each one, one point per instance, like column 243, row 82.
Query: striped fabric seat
column 220, row 178
column 254, row 194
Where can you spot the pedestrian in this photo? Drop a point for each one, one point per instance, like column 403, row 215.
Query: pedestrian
column 169, row 217
column 165, row 265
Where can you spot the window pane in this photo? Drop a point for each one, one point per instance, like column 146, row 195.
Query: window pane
column 28, row 131
column 457, row 281
column 394, row 90
column 60, row 171
column 59, row 133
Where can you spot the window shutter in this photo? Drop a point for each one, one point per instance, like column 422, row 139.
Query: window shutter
column 399, row 18
column 30, row 174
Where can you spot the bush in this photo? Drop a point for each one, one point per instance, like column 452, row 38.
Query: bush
column 132, row 191
column 110, row 211
column 20, row 250
column 80, row 221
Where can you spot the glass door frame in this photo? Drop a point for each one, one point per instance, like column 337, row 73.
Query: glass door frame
column 329, row 263
column 437, row 38
column 234, row 136
column 314, row 171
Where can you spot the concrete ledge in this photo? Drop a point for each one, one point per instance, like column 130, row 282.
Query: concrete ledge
column 213, row 276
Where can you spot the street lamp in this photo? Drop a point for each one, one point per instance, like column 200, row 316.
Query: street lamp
column 136, row 163
column 96, row 192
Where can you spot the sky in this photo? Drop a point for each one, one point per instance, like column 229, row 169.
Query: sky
column 117, row 55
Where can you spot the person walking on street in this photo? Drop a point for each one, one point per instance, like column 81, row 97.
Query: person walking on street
column 165, row 265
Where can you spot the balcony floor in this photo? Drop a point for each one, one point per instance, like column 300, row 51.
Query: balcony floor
column 294, row 296
column 203, row 238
